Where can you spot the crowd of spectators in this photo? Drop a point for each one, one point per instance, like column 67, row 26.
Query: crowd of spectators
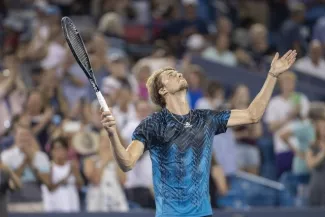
column 52, row 144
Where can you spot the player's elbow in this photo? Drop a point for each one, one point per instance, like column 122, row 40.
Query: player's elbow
column 254, row 115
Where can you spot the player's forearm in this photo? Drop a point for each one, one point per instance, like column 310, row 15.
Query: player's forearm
column 258, row 105
column 122, row 156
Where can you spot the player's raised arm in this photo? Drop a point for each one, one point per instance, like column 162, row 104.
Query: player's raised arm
column 256, row 109
column 126, row 158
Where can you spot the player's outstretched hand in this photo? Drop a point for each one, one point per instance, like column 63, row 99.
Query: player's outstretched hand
column 282, row 64
column 108, row 122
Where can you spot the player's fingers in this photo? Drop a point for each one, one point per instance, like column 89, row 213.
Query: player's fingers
column 106, row 114
column 109, row 124
column 108, row 118
column 292, row 55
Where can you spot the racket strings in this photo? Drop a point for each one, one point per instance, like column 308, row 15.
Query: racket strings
column 77, row 45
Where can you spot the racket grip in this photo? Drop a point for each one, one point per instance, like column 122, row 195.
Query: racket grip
column 102, row 101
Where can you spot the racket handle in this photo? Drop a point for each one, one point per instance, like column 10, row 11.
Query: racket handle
column 102, row 101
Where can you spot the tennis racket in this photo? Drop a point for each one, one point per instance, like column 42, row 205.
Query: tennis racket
column 79, row 52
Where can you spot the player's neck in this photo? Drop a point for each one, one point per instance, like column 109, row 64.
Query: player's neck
column 177, row 103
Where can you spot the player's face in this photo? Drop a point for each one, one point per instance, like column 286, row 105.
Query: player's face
column 173, row 82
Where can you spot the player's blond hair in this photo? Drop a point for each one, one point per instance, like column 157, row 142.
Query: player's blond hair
column 154, row 84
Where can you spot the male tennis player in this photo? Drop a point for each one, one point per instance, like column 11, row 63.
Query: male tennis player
column 179, row 140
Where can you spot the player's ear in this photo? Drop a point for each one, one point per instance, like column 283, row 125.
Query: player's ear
column 162, row 91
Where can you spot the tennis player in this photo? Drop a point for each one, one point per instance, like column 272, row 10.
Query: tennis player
column 179, row 140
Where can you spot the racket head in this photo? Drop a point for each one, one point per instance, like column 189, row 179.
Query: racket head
column 78, row 49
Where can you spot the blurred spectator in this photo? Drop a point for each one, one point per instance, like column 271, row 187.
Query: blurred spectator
column 65, row 179
column 303, row 129
column 218, row 183
column 111, row 26
column 316, row 161
column 160, row 57
column 319, row 31
column 220, row 53
column 139, row 179
column 194, row 76
column 8, row 181
column 53, row 94
column 283, row 109
column 40, row 115
column 31, row 165
column 124, row 110
column 12, row 96
column 56, row 50
column 104, row 192
column 291, row 35
column 120, row 74
column 248, row 154
column 142, row 76
column 259, row 48
column 213, row 97
column 195, row 44
column 314, row 63
column 73, row 80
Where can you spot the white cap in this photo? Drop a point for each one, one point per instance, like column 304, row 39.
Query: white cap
column 189, row 2
column 195, row 42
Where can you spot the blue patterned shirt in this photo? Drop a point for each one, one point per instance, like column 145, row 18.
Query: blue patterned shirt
column 181, row 159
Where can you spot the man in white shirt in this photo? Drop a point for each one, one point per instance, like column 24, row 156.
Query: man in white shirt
column 139, row 179
column 31, row 166
column 314, row 63
column 283, row 110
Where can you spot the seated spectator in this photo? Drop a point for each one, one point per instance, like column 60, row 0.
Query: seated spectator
column 138, row 184
column 111, row 25
column 218, row 183
column 259, row 48
column 65, row 179
column 104, row 192
column 319, row 31
column 73, row 80
column 248, row 154
column 124, row 110
column 31, row 165
column 195, row 77
column 118, row 66
column 315, row 158
column 12, row 93
column 282, row 110
column 291, row 35
column 220, row 53
column 40, row 115
column 214, row 97
column 314, row 63
column 142, row 76
column 8, row 181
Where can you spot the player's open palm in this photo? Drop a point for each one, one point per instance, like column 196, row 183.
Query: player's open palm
column 108, row 122
column 280, row 65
